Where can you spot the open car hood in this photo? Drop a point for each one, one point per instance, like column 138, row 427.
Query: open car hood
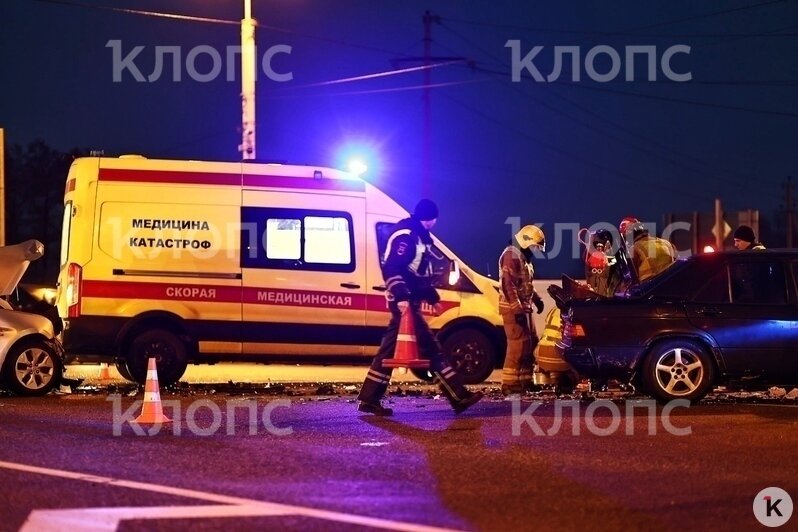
column 571, row 290
column 14, row 261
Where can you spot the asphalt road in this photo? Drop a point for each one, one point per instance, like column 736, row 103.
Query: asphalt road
column 321, row 465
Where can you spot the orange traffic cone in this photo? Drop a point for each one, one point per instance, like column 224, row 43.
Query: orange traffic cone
column 406, row 353
column 152, row 410
column 105, row 373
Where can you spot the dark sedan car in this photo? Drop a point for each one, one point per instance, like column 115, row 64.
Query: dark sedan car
column 709, row 319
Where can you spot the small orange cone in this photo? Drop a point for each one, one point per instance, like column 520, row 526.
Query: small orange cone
column 105, row 373
column 406, row 353
column 152, row 410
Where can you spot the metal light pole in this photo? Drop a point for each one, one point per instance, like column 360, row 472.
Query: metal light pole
column 248, row 69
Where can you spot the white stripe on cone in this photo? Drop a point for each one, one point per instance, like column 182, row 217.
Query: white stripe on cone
column 151, row 409
column 151, row 397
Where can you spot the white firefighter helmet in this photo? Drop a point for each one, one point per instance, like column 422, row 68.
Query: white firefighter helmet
column 531, row 235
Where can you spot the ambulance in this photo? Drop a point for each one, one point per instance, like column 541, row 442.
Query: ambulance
column 199, row 262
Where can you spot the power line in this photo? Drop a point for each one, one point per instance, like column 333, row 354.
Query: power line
column 376, row 75
column 411, row 87
column 629, row 32
column 775, row 33
column 683, row 101
column 755, row 83
column 708, row 15
column 209, row 20
column 173, row 16
column 602, row 119
column 570, row 155
column 734, row 38
column 280, row 93
column 655, row 97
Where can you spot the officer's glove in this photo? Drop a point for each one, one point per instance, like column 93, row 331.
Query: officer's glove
column 538, row 303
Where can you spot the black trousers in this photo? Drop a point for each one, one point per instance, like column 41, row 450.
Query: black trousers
column 378, row 377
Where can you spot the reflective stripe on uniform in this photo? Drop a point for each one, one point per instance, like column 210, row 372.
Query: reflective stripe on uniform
column 390, row 241
column 394, row 281
column 448, row 372
column 449, row 389
column 378, row 377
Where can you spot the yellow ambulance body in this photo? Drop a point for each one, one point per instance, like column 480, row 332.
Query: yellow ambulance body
column 190, row 261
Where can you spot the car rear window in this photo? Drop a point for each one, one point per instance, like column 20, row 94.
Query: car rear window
column 716, row 290
column 679, row 281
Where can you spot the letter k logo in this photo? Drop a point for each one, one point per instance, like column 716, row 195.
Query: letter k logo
column 772, row 506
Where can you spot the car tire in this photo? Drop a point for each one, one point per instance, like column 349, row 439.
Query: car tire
column 678, row 369
column 471, row 354
column 32, row 368
column 165, row 347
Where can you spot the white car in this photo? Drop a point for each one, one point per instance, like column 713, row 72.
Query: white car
column 31, row 357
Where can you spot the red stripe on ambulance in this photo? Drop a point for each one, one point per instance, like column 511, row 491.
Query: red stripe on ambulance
column 303, row 182
column 252, row 296
column 237, row 180
column 304, row 298
column 168, row 176
column 161, row 291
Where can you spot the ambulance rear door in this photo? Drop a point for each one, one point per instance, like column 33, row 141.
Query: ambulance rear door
column 303, row 258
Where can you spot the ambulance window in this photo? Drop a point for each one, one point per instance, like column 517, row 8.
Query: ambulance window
column 327, row 240
column 66, row 227
column 297, row 239
column 283, row 239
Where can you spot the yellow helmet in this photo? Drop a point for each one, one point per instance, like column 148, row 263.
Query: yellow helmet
column 531, row 235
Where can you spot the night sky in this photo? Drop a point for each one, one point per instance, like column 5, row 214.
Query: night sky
column 567, row 152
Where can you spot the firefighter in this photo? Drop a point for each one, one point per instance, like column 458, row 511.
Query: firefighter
column 516, row 297
column 624, row 228
column 650, row 255
column 744, row 238
column 407, row 272
column 599, row 263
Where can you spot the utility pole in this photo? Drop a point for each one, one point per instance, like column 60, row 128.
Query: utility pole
column 427, row 133
column 248, row 67
column 427, row 60
column 719, row 225
column 2, row 187
column 789, row 208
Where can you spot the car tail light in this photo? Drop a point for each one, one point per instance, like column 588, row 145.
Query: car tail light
column 573, row 330
column 74, row 273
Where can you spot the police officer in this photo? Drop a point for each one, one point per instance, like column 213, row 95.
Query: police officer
column 516, row 297
column 407, row 272
column 744, row 238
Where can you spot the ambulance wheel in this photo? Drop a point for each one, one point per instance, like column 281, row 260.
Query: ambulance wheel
column 121, row 367
column 422, row 374
column 32, row 368
column 472, row 355
column 168, row 351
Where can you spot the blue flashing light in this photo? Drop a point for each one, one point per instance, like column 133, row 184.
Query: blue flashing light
column 358, row 167
column 361, row 158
